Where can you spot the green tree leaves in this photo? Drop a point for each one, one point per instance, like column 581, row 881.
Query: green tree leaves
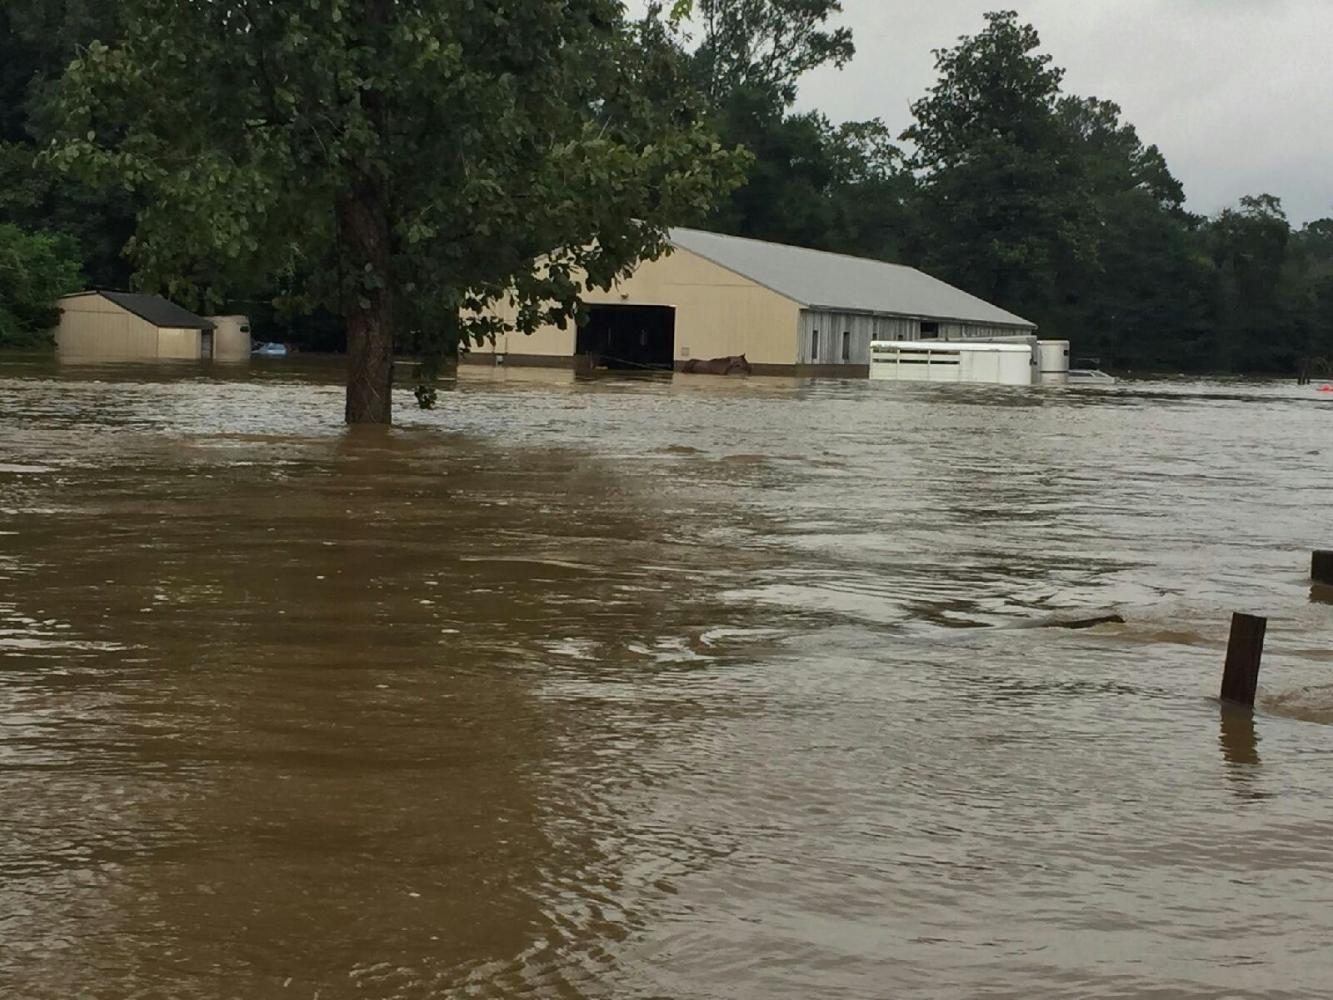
column 995, row 88
column 36, row 269
column 766, row 45
column 811, row 182
column 1050, row 205
column 37, row 41
column 448, row 145
column 1003, row 182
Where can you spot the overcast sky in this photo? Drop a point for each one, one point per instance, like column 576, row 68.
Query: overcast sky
column 1237, row 93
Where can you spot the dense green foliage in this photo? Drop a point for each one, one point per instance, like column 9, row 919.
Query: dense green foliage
column 50, row 229
column 765, row 45
column 35, row 270
column 403, row 165
column 38, row 38
column 1057, row 210
column 256, row 156
column 814, row 183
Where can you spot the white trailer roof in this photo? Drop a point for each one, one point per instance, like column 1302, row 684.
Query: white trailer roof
column 839, row 283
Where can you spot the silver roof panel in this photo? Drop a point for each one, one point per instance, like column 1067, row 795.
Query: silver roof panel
column 840, row 283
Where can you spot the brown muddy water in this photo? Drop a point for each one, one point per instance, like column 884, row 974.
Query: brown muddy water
column 699, row 688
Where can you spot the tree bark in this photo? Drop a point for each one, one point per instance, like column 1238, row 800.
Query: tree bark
column 368, row 311
column 363, row 222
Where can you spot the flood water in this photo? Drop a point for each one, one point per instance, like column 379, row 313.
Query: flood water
column 701, row 688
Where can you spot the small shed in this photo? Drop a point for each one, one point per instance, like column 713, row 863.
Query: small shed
column 126, row 326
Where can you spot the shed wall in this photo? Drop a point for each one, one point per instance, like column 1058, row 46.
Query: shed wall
column 178, row 344
column 93, row 327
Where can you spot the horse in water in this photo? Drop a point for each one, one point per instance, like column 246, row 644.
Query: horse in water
column 735, row 365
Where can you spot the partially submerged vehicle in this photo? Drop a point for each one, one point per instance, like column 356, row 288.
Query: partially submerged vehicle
column 1090, row 370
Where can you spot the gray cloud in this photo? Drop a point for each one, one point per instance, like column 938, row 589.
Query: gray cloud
column 1237, row 93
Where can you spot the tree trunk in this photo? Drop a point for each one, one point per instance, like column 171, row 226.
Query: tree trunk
column 368, row 311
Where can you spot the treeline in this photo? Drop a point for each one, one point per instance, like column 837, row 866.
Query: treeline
column 1046, row 203
column 54, row 235
column 60, row 233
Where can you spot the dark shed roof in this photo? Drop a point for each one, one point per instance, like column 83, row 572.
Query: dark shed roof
column 157, row 310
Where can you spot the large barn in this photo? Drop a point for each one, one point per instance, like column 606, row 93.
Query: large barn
column 107, row 325
column 789, row 310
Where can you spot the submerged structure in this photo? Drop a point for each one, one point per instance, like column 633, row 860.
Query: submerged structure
column 788, row 310
column 105, row 325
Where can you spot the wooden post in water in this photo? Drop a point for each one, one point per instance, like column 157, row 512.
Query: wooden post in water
column 1240, row 681
column 1321, row 568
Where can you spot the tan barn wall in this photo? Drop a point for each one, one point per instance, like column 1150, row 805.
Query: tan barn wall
column 718, row 313
column 93, row 327
column 546, row 341
column 178, row 344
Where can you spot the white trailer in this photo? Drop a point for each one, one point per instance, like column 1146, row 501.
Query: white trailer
column 955, row 361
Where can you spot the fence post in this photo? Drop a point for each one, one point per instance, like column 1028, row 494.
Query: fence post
column 1321, row 567
column 1240, row 680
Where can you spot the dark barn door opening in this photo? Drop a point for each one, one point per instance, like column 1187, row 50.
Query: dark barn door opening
column 629, row 338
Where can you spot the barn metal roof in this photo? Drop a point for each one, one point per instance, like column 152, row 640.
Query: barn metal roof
column 157, row 310
column 839, row 283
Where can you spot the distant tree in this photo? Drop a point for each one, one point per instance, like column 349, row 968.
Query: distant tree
column 874, row 194
column 992, row 86
column 35, row 270
column 38, row 39
column 1003, row 195
column 403, row 164
column 841, row 188
column 1258, row 328
column 811, row 182
column 1115, row 158
column 766, row 46
column 1313, row 259
column 1317, row 239
column 1320, row 318
column 1145, row 299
